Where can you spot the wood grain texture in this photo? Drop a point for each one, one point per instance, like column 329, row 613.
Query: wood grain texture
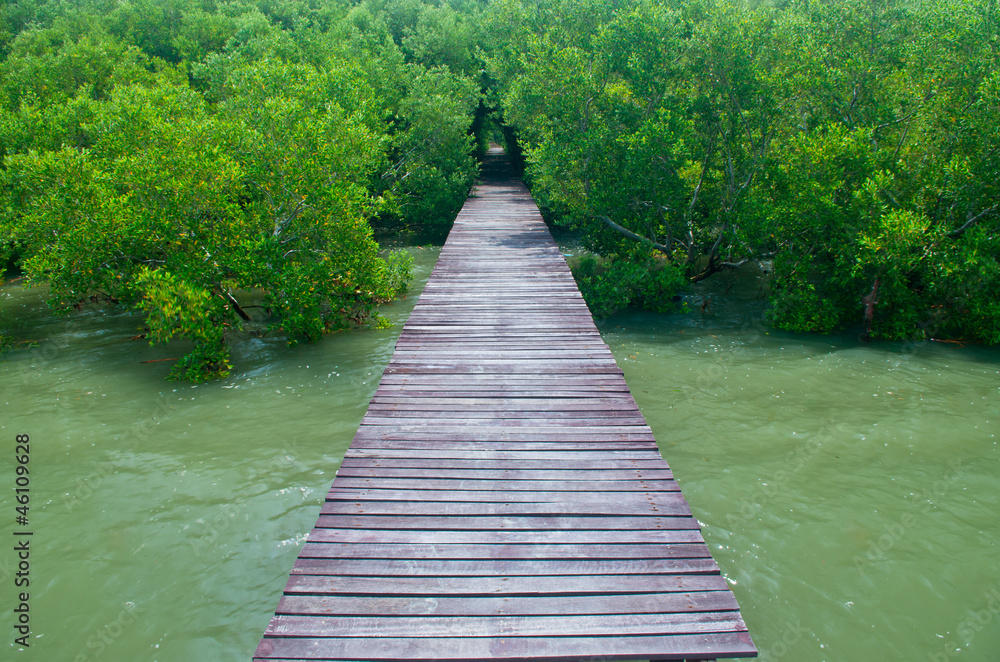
column 503, row 497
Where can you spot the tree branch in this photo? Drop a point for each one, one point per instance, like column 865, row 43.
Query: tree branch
column 235, row 305
column 281, row 223
column 631, row 235
column 715, row 267
column 955, row 234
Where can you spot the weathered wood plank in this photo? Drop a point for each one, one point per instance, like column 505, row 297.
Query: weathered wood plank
column 503, row 485
column 389, row 394
column 501, row 452
column 606, row 464
column 648, row 603
column 503, row 537
column 537, row 404
column 507, row 586
column 500, row 626
column 476, row 649
column 511, row 380
column 500, row 496
column 503, row 368
column 512, row 418
column 494, row 444
column 507, row 474
column 501, row 551
column 341, row 567
column 505, row 523
column 505, row 431
column 667, row 504
column 434, row 421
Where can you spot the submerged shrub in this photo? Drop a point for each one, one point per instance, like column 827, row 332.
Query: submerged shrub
column 612, row 285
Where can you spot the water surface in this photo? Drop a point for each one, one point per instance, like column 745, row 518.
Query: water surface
column 849, row 491
column 167, row 515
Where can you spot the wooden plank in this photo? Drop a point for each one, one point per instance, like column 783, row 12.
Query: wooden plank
column 506, row 432
column 476, row 649
column 377, row 551
column 495, row 444
column 500, row 452
column 445, row 392
column 648, row 603
column 524, row 392
column 503, row 368
column 536, row 404
column 503, row 537
column 507, row 474
column 596, row 415
column 505, row 568
column 506, row 586
column 434, row 422
column 509, row 419
column 503, row 485
column 500, row 626
column 528, row 416
column 497, row 496
column 524, row 464
column 496, row 447
column 505, row 522
column 535, row 400
column 668, row 504
column 462, row 343
column 486, row 335
column 512, row 380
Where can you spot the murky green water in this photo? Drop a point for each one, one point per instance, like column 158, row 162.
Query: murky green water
column 166, row 516
column 850, row 492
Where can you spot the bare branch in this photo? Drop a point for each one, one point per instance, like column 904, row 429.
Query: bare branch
column 631, row 235
column 281, row 223
column 954, row 234
column 715, row 267
column 233, row 303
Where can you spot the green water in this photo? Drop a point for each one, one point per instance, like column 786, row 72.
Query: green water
column 166, row 516
column 849, row 492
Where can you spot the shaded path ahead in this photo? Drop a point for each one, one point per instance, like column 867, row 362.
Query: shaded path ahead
column 503, row 498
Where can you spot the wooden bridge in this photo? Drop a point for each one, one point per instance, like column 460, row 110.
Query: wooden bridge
column 504, row 498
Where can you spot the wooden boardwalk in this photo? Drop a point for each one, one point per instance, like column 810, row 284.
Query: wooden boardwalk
column 503, row 498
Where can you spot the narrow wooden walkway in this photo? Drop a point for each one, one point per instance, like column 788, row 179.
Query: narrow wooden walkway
column 503, row 498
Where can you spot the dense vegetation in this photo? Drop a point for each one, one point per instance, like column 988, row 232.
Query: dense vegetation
column 853, row 143
column 185, row 158
column 192, row 158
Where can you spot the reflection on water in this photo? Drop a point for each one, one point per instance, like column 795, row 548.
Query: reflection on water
column 849, row 491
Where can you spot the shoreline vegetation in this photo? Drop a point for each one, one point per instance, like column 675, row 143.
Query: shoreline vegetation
column 169, row 156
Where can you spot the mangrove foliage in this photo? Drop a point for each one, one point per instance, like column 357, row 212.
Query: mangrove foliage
column 222, row 165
